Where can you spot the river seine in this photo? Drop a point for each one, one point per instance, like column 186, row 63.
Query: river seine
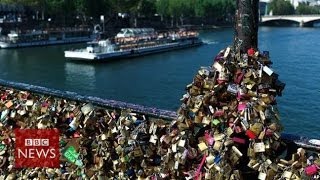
column 159, row 80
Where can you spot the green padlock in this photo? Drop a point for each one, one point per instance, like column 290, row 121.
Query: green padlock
column 2, row 147
column 72, row 155
column 215, row 122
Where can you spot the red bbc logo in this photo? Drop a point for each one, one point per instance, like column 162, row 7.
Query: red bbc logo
column 37, row 148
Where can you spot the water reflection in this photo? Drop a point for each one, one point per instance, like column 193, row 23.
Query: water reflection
column 79, row 74
column 11, row 53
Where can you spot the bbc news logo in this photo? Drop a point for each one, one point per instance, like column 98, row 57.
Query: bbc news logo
column 37, row 148
column 34, row 152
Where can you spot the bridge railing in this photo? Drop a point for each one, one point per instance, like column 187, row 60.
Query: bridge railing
column 294, row 15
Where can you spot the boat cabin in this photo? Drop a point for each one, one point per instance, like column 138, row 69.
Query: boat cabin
column 13, row 37
column 92, row 47
column 29, row 36
column 100, row 46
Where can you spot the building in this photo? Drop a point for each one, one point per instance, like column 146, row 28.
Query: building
column 263, row 8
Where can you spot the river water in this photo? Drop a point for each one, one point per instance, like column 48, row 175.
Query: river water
column 159, row 80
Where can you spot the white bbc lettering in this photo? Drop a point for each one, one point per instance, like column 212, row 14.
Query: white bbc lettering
column 24, row 154
column 45, row 142
column 42, row 152
column 36, row 142
column 53, row 153
column 36, row 153
column 28, row 142
column 31, row 153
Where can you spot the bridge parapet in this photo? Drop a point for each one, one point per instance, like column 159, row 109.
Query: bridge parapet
column 301, row 19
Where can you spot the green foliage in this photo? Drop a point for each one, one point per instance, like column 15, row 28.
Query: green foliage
column 148, row 8
column 214, row 9
column 8, row 1
column 175, row 7
column 281, row 7
column 304, row 8
column 162, row 7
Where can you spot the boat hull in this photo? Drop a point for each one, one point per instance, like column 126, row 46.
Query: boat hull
column 86, row 56
column 5, row 45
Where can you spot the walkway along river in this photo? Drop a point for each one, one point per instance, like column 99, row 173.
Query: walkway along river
column 158, row 80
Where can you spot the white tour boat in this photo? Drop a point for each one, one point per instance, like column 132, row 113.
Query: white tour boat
column 44, row 38
column 132, row 42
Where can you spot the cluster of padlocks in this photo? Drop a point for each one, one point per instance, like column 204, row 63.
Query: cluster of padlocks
column 227, row 128
column 231, row 109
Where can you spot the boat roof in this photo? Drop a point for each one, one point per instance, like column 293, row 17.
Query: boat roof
column 131, row 32
column 138, row 30
column 92, row 42
column 13, row 35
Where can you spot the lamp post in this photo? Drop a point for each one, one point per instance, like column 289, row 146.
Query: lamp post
column 49, row 20
column 102, row 21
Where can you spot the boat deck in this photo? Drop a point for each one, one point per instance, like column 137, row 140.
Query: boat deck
column 131, row 50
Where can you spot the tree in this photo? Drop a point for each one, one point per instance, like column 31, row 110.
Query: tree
column 187, row 10
column 40, row 5
column 176, row 10
column 162, row 7
column 148, row 8
column 281, row 7
column 304, row 8
column 9, row 1
column 218, row 10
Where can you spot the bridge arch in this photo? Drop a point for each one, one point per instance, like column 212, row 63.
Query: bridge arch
column 312, row 22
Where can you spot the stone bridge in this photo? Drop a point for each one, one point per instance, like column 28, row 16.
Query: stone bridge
column 303, row 20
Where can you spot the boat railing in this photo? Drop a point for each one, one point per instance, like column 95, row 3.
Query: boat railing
column 123, row 44
column 160, row 36
column 4, row 39
column 155, row 43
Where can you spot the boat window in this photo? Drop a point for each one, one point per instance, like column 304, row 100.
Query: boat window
column 92, row 44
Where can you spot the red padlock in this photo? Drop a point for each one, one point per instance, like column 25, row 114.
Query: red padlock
column 311, row 170
column 251, row 52
column 250, row 134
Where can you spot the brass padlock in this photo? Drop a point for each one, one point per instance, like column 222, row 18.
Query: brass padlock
column 208, row 84
column 256, row 128
column 259, row 147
